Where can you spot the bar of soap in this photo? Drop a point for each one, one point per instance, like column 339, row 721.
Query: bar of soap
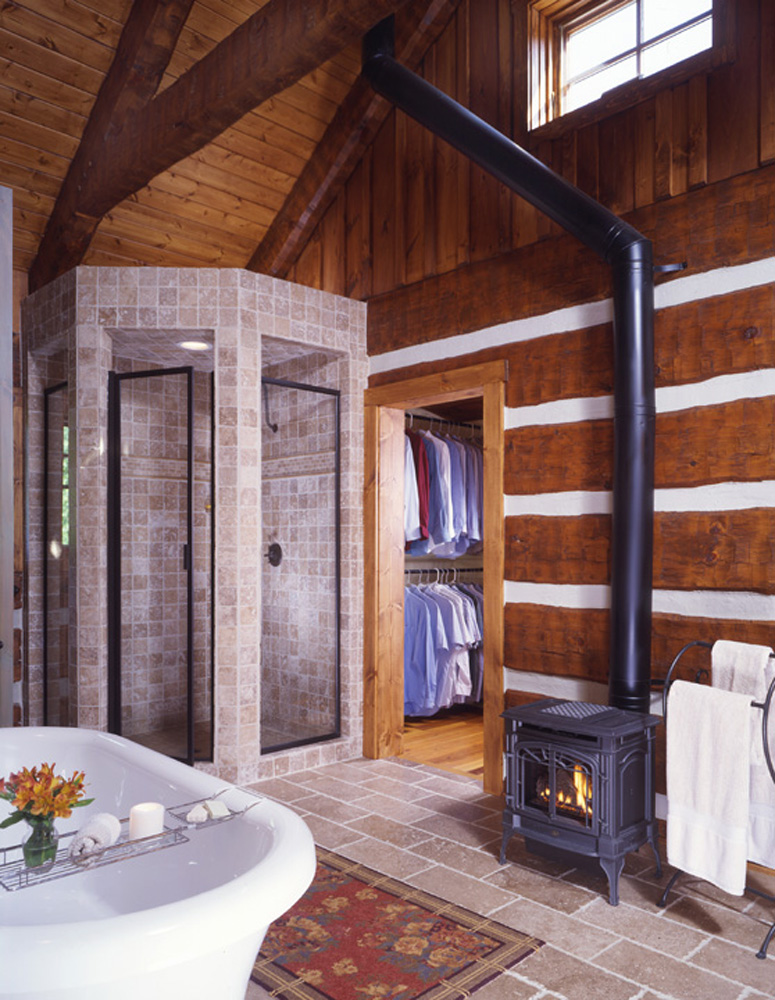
column 216, row 809
column 198, row 814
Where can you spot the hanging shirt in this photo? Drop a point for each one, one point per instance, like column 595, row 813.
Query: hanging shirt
column 412, row 527
column 421, row 471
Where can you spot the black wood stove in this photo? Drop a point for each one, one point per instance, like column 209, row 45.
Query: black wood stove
column 580, row 783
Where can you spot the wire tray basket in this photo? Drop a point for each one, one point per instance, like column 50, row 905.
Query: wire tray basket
column 15, row 875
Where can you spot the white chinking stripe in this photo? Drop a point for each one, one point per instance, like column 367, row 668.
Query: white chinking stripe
column 692, row 603
column 669, row 399
column 716, row 496
column 679, row 291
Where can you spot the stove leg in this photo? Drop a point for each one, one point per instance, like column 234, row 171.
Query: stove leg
column 613, row 869
column 655, row 848
column 507, row 835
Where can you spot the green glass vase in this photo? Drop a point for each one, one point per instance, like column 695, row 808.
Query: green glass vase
column 39, row 846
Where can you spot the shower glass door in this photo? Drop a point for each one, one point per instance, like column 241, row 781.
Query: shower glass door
column 58, row 681
column 300, row 592
column 159, row 642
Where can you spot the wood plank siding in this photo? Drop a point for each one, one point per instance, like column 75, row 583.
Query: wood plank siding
column 471, row 268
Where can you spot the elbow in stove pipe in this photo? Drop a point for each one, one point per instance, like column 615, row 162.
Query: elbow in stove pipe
column 629, row 255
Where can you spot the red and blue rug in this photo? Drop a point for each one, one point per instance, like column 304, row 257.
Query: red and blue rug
column 359, row 935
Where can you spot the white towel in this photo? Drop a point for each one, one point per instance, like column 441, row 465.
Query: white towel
column 95, row 835
column 749, row 669
column 708, row 770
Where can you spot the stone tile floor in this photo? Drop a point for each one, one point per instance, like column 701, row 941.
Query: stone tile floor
column 440, row 832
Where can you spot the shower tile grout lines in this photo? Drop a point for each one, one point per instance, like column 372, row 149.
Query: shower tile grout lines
column 439, row 832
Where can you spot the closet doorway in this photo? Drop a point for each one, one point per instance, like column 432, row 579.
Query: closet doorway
column 385, row 408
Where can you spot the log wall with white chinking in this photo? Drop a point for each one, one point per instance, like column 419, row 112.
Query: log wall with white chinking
column 457, row 272
column 714, row 547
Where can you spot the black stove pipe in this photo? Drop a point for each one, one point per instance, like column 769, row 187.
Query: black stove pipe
column 629, row 255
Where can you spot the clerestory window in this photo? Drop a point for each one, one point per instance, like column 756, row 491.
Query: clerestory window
column 581, row 51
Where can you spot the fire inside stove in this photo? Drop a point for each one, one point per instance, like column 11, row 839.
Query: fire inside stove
column 573, row 792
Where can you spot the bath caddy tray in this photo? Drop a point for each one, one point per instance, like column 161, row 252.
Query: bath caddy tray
column 15, row 875
column 180, row 813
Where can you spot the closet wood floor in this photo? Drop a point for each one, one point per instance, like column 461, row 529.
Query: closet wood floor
column 453, row 742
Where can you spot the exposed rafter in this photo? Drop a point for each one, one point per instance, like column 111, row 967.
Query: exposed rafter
column 278, row 45
column 144, row 50
column 351, row 130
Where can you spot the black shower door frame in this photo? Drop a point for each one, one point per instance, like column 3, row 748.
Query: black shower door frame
column 336, row 395
column 47, row 394
column 114, row 546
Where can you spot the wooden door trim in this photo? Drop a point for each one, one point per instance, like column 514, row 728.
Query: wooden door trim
column 383, row 556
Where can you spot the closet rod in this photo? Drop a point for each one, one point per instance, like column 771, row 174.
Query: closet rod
column 411, row 417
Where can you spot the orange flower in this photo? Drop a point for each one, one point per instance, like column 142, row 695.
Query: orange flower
column 41, row 792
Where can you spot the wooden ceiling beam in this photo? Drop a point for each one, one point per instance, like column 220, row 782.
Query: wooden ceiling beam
column 351, row 130
column 143, row 52
column 278, row 45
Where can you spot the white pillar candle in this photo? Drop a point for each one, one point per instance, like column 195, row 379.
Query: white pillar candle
column 146, row 819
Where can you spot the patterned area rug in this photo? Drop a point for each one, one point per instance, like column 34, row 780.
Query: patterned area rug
column 358, row 935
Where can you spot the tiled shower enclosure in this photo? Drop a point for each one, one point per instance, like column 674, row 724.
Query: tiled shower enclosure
column 79, row 328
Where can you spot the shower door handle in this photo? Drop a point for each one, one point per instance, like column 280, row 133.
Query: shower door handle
column 186, row 556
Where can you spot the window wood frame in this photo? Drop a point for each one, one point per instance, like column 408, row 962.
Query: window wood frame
column 544, row 19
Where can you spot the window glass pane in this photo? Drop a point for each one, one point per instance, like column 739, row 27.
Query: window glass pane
column 681, row 46
column 600, row 41
column 589, row 89
column 660, row 16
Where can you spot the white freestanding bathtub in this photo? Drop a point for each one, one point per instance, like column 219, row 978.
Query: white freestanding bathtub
column 185, row 921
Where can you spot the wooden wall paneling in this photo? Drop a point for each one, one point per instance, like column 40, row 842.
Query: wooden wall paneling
column 549, row 459
column 383, row 640
column 568, row 155
column 485, row 190
column 731, row 222
column 680, row 146
column 383, row 198
column 446, row 160
column 563, row 642
column 644, row 151
column 558, row 549
column 333, row 243
column 520, row 73
column 767, row 84
column 617, row 166
column 727, row 442
column 415, row 201
column 716, row 336
column 308, row 269
column 358, row 229
column 733, row 101
column 462, row 95
column 588, row 160
column 505, row 115
column 561, row 366
column 693, row 550
column 399, row 200
column 698, row 130
column 663, row 143
column 720, row 550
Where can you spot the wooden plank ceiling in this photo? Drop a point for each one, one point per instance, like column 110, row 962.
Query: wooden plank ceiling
column 196, row 176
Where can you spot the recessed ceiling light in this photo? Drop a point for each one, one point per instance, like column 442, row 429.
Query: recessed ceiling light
column 195, row 345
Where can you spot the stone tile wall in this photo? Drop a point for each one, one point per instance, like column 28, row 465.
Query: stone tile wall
column 87, row 312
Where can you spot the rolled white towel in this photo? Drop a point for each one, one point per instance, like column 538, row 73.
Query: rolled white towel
column 95, row 835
